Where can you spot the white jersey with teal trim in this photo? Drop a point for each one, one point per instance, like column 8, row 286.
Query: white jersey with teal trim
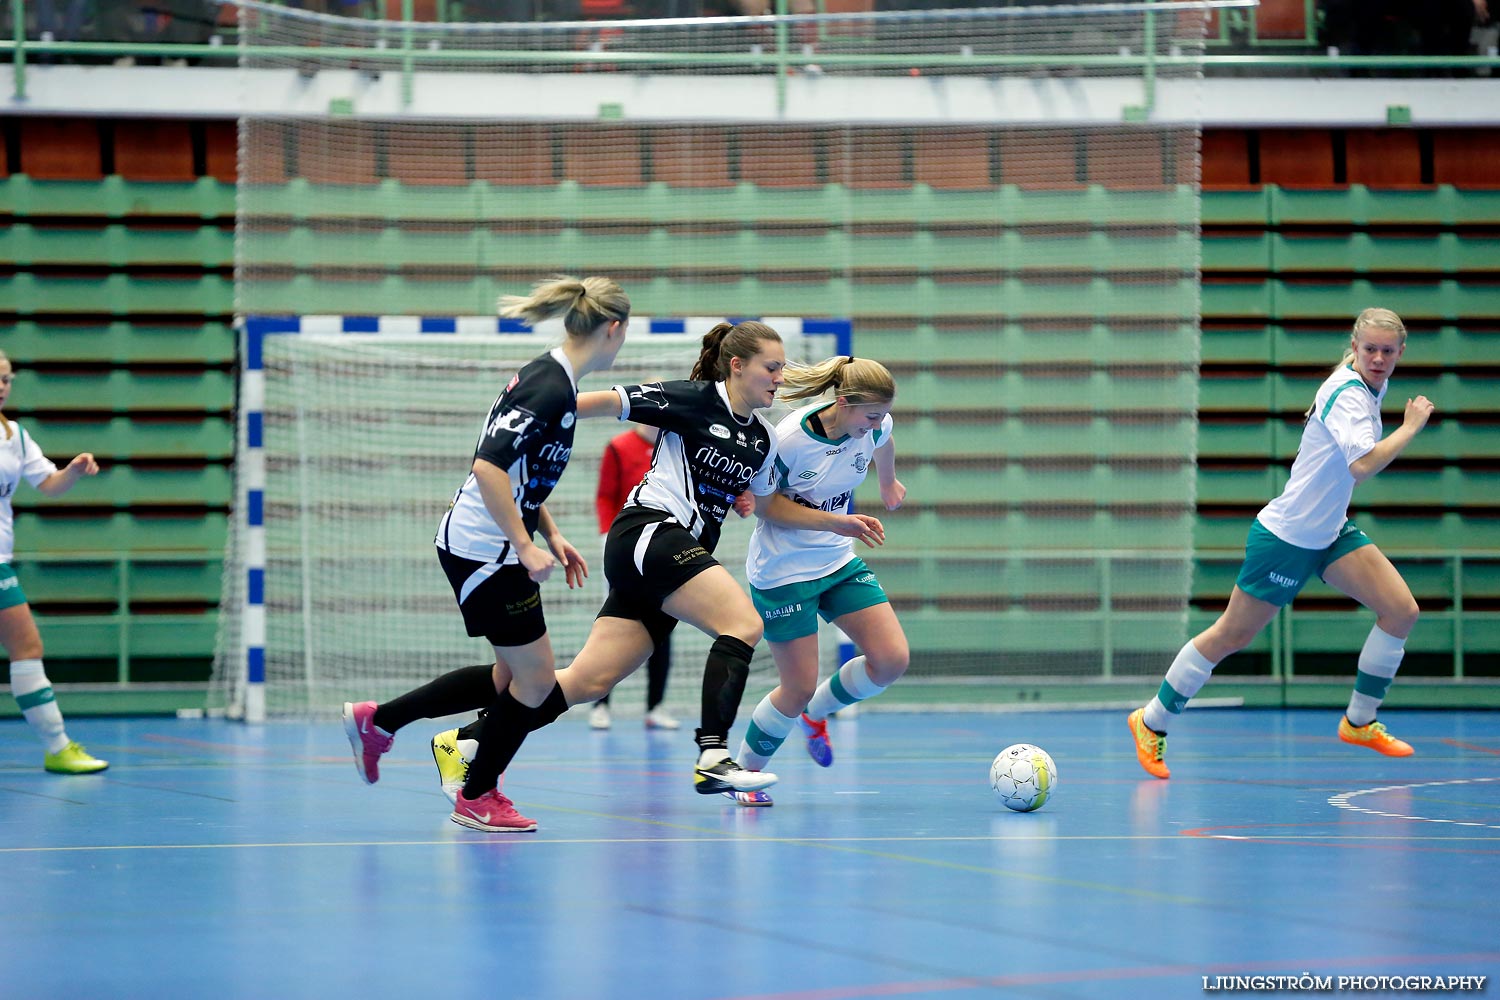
column 19, row 458
column 1343, row 427
column 816, row 472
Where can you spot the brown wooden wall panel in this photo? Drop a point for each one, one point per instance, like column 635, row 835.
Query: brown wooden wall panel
column 221, row 142
column 1226, row 158
column 786, row 159
column 1296, row 158
column 1041, row 158
column 870, row 158
column 515, row 154
column 1383, row 158
column 1466, row 157
column 61, row 149
column 335, row 153
column 154, row 150
column 952, row 159
column 690, row 157
column 428, row 155
column 602, row 156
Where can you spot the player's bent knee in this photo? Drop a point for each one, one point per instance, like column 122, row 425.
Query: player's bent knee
column 886, row 669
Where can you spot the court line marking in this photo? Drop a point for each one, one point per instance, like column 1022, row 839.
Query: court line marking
column 1341, row 801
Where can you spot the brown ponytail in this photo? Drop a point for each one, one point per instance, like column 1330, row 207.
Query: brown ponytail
column 730, row 340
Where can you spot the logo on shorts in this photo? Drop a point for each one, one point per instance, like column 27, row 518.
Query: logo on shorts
column 865, row 578
column 1283, row 581
column 719, row 431
column 785, row 611
column 9, row 583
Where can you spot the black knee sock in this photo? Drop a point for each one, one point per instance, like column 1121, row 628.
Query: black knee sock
column 656, row 674
column 724, row 677
column 461, row 690
column 502, row 731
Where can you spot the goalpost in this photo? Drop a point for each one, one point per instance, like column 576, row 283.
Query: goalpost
column 353, row 434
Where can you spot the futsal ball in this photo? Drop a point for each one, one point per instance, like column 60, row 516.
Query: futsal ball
column 1023, row 777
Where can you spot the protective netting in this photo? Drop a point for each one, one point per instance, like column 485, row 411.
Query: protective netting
column 986, row 193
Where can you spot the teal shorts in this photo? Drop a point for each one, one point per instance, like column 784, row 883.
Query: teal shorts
column 1275, row 571
column 11, row 593
column 791, row 611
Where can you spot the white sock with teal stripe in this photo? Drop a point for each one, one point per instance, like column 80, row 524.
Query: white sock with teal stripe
column 33, row 692
column 849, row 684
column 1185, row 677
column 768, row 729
column 1378, row 662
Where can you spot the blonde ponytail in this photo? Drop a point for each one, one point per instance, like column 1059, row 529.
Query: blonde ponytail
column 859, row 380
column 585, row 303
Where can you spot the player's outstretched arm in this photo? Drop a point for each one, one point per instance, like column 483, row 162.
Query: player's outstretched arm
column 63, row 479
column 1418, row 410
column 598, row 403
column 892, row 491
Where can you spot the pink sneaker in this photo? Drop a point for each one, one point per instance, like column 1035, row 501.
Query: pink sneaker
column 368, row 740
column 491, row 812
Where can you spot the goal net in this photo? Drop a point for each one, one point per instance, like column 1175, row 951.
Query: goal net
column 1004, row 202
column 355, row 432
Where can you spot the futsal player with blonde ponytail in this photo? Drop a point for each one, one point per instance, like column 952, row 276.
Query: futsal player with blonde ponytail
column 800, row 572
column 1305, row 531
column 486, row 548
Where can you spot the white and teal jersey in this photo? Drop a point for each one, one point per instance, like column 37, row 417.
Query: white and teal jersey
column 816, row 472
column 1344, row 426
column 20, row 458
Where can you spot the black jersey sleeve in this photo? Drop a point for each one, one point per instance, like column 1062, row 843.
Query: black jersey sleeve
column 530, row 404
column 672, row 406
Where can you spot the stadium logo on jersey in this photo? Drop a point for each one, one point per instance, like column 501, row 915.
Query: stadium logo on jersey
column 715, row 459
column 719, row 431
column 859, row 464
column 566, row 421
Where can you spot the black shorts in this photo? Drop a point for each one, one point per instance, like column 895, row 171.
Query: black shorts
column 501, row 603
column 647, row 558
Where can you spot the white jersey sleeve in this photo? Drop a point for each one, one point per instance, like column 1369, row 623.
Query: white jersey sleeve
column 20, row 458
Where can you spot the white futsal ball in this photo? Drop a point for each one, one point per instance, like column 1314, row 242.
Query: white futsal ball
column 1023, row 777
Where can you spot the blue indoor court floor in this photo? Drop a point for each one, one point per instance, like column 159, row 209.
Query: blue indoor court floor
column 216, row 860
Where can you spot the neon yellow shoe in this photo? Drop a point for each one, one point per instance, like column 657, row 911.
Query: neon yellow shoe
column 73, row 759
column 1375, row 737
column 1150, row 746
column 452, row 765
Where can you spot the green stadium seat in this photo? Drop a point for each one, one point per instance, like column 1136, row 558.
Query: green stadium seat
column 125, row 390
column 118, row 531
column 191, row 436
column 121, row 342
column 117, row 246
column 116, row 198
column 117, row 294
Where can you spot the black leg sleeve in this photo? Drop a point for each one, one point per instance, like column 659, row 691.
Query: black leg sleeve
column 461, row 690
column 724, row 678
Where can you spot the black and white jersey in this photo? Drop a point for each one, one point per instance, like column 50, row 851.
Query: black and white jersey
column 705, row 457
column 529, row 434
